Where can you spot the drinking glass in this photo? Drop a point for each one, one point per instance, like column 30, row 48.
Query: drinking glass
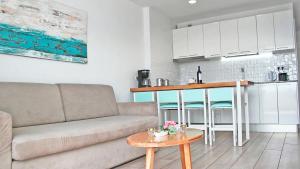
column 151, row 131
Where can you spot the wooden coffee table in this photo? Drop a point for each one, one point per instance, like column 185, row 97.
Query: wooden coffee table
column 183, row 140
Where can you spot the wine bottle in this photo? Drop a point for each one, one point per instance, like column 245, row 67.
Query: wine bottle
column 199, row 75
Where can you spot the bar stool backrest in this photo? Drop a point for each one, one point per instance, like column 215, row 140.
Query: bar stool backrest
column 221, row 94
column 170, row 96
column 193, row 95
column 140, row 97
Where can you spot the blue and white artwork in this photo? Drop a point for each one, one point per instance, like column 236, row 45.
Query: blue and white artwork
column 43, row 29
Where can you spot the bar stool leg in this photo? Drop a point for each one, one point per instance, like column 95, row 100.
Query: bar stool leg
column 183, row 116
column 213, row 126
column 189, row 117
column 179, row 115
column 210, row 126
column 183, row 109
column 166, row 115
column 179, row 109
column 205, row 125
column 234, row 126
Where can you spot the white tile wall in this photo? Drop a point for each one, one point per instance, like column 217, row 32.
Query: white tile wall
column 229, row 69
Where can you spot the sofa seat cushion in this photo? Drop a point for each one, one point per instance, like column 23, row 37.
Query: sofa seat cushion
column 36, row 141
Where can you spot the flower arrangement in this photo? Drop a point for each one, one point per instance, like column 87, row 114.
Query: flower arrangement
column 170, row 127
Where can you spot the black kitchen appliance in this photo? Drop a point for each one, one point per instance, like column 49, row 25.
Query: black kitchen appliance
column 143, row 78
column 282, row 75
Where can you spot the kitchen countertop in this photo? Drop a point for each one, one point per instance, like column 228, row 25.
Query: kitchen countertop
column 275, row 82
column 192, row 86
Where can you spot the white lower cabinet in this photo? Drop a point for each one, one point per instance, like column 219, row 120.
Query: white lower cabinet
column 274, row 103
column 268, row 103
column 288, row 103
column 253, row 94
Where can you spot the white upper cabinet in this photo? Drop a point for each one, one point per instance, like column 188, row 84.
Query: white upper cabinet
column 265, row 33
column 195, row 41
column 247, row 35
column 188, row 42
column 229, row 37
column 180, row 43
column 284, row 30
column 237, row 37
column 212, row 40
column 288, row 103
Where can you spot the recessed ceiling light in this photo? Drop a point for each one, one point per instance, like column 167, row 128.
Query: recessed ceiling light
column 192, row 2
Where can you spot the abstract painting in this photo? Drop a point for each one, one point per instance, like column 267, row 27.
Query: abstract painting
column 43, row 29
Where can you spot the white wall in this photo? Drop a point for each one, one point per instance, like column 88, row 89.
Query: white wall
column 162, row 65
column 115, row 51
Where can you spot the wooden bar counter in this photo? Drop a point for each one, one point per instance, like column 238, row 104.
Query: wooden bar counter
column 192, row 86
column 241, row 91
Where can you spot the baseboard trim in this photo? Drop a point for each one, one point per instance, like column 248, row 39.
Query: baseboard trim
column 273, row 128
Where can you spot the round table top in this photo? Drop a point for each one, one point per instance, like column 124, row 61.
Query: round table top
column 144, row 140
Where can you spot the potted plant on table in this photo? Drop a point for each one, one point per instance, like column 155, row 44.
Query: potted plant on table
column 170, row 127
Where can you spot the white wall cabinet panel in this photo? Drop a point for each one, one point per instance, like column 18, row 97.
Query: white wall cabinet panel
column 212, row 40
column 229, row 37
column 265, row 33
column 284, row 30
column 195, row 41
column 253, row 94
column 180, row 43
column 268, row 104
column 288, row 103
column 247, row 35
column 243, row 36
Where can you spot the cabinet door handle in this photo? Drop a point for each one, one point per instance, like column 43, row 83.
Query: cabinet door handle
column 284, row 47
column 215, row 55
column 232, row 53
column 245, row 51
column 268, row 49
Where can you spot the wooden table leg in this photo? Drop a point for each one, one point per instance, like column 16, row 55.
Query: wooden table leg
column 182, row 156
column 150, row 158
column 187, row 156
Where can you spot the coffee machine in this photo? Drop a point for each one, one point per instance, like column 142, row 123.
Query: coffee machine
column 143, row 78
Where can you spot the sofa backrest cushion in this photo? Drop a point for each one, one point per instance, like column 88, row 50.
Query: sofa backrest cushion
column 85, row 101
column 31, row 104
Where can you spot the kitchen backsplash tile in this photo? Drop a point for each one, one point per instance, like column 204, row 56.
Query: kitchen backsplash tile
column 229, row 69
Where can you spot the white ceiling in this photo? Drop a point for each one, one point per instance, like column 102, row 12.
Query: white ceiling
column 180, row 10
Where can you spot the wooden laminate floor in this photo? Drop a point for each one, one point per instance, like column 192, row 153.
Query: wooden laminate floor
column 263, row 151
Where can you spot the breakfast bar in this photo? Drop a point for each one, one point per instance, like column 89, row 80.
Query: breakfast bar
column 240, row 98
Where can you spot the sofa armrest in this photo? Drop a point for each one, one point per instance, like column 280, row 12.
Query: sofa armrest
column 5, row 140
column 142, row 109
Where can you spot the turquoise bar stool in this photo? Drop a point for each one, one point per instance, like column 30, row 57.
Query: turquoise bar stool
column 194, row 99
column 140, row 97
column 168, row 100
column 221, row 98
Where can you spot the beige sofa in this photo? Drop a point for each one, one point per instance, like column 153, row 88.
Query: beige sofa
column 68, row 126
